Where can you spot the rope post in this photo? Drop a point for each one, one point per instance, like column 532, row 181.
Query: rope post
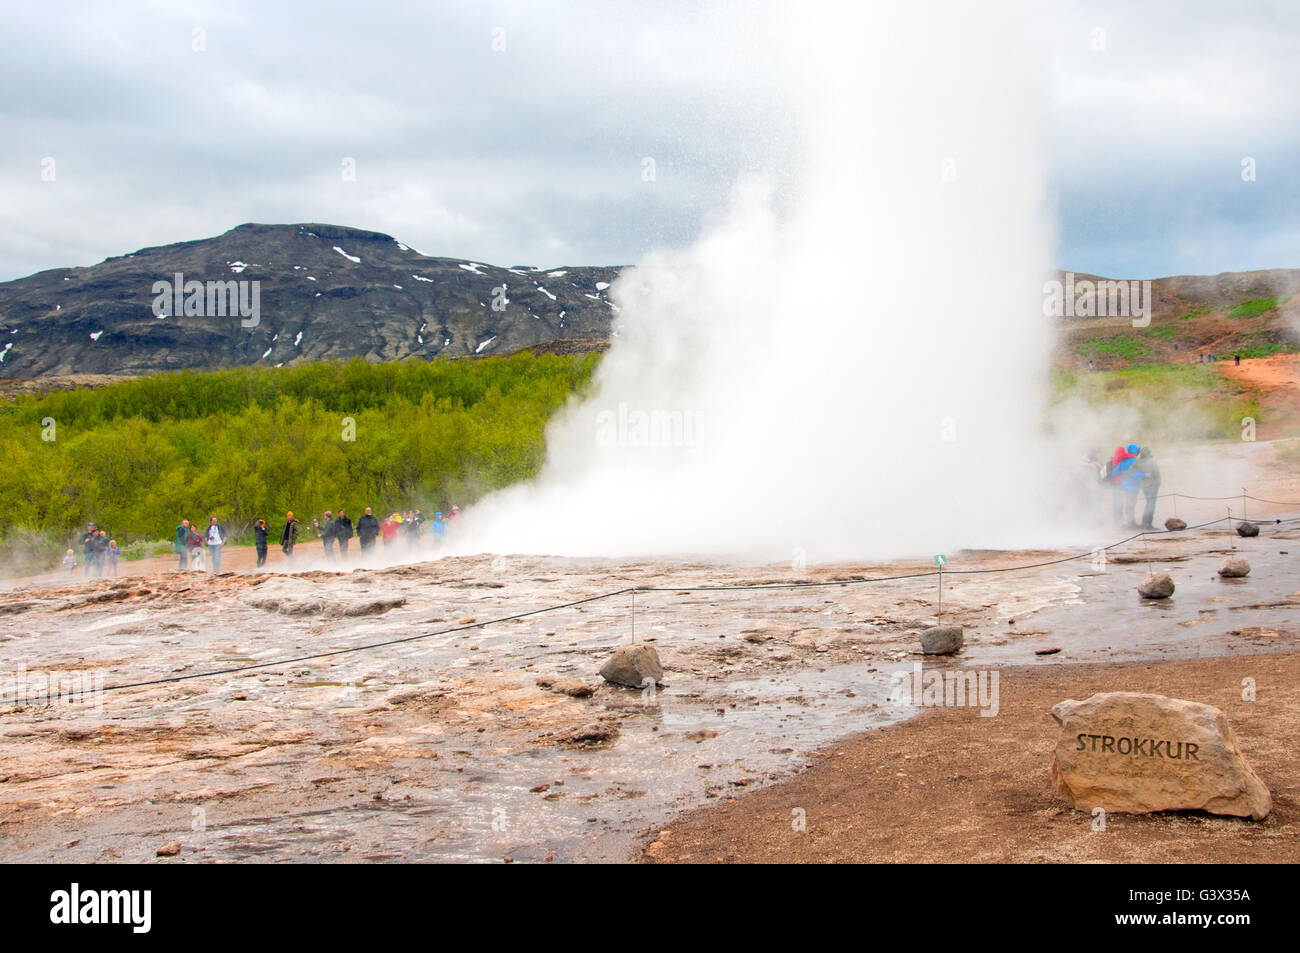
column 940, row 619
column 939, row 561
column 1243, row 504
column 634, row 613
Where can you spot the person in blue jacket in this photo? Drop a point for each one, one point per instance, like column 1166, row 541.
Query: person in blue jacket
column 438, row 527
column 1131, row 479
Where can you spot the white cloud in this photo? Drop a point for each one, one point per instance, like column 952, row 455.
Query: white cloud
column 535, row 153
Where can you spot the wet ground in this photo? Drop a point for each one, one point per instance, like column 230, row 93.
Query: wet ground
column 447, row 747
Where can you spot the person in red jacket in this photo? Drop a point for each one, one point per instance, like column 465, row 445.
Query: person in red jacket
column 1120, row 461
column 389, row 531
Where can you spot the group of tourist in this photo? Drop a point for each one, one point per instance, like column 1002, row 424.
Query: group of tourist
column 335, row 530
column 99, row 554
column 190, row 543
column 1131, row 470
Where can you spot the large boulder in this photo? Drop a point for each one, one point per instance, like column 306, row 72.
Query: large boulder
column 1174, row 523
column 1134, row 753
column 1234, row 568
column 631, row 665
column 1159, row 586
column 942, row 640
column 1247, row 529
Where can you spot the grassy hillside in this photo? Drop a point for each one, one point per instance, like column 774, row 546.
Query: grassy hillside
column 1157, row 402
column 138, row 456
column 1248, row 327
column 1175, row 380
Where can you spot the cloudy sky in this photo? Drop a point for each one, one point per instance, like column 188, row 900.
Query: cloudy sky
column 517, row 132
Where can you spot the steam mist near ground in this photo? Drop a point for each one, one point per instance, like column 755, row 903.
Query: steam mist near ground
column 851, row 361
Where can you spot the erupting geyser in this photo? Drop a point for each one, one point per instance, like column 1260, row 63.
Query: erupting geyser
column 851, row 361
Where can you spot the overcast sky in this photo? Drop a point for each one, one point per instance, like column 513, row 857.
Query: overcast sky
column 533, row 153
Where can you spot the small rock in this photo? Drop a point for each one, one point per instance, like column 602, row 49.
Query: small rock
column 631, row 665
column 942, row 640
column 170, row 849
column 467, row 620
column 1247, row 529
column 1160, row 586
column 1174, row 523
column 1234, row 568
column 595, row 735
column 1046, row 651
column 573, row 687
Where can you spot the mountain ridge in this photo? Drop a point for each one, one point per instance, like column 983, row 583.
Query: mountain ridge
column 325, row 292
column 335, row 292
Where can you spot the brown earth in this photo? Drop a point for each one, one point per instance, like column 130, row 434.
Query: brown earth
column 1275, row 382
column 952, row 786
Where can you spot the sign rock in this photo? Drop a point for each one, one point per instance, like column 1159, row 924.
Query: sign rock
column 1134, row 753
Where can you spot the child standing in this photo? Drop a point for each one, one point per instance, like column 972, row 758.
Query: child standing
column 70, row 563
column 113, row 554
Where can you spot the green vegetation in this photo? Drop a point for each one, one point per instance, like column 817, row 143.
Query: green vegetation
column 1253, row 308
column 1194, row 313
column 138, row 456
column 142, row 548
column 1127, row 346
column 1162, row 333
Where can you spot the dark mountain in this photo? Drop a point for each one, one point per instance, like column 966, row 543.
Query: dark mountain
column 323, row 291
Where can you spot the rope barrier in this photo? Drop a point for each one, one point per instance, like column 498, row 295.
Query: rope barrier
column 635, row 589
column 1220, row 499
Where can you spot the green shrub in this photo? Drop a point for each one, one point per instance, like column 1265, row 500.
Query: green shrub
column 143, row 548
column 137, row 456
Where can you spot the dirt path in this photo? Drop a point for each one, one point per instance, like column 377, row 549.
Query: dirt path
column 1276, row 380
column 952, row 786
column 233, row 558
